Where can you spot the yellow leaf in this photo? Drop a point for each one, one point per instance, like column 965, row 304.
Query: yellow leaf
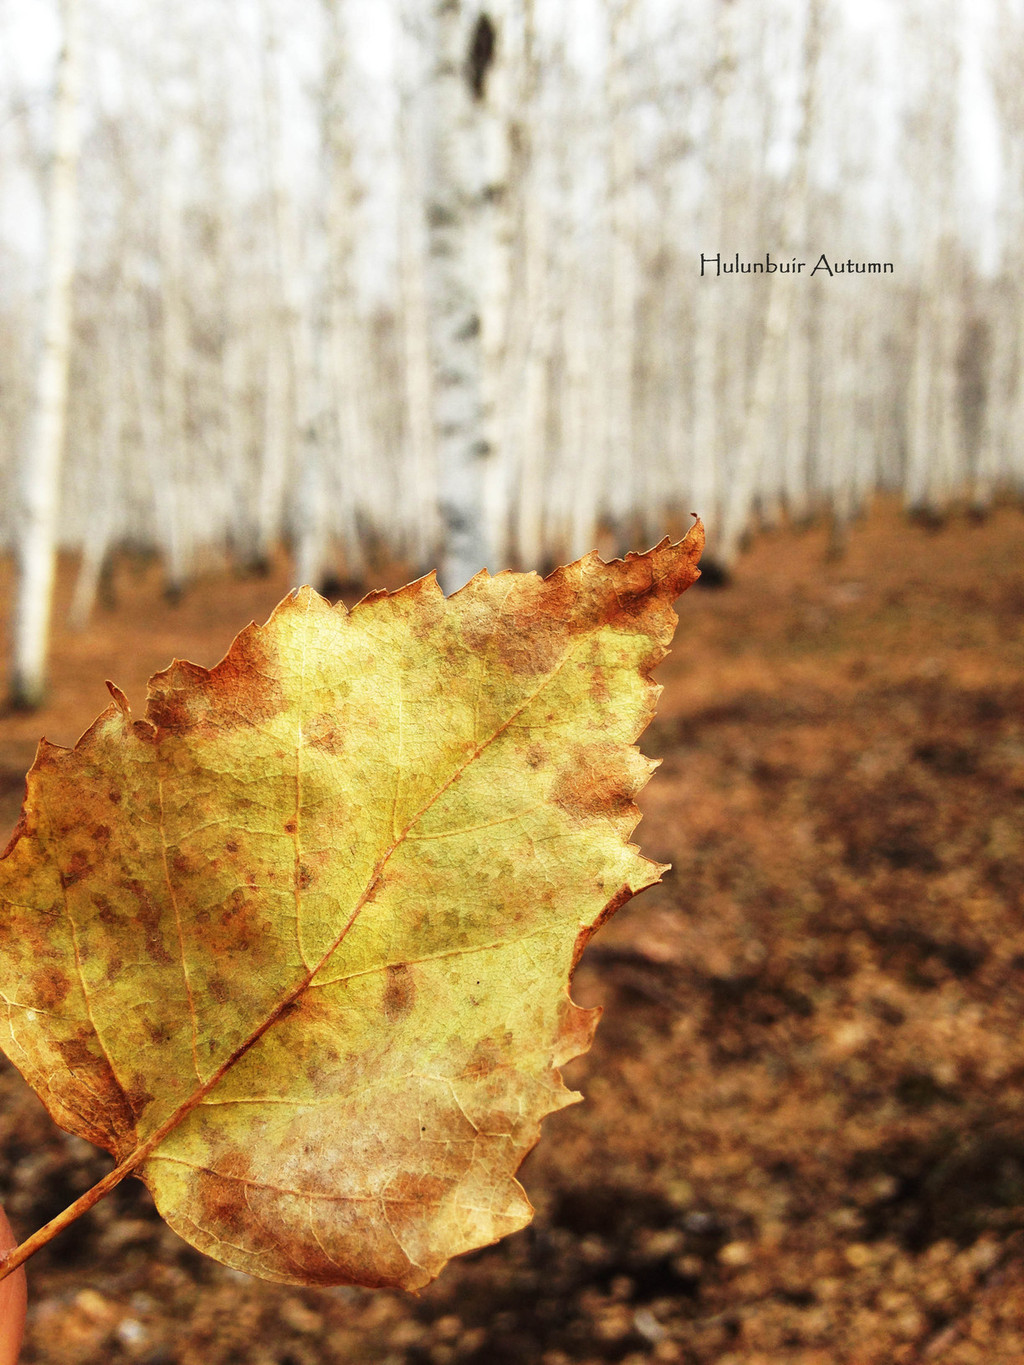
column 296, row 947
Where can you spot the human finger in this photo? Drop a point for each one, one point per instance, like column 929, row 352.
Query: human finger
column 13, row 1299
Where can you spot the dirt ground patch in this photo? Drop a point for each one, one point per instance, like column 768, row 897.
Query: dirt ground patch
column 803, row 1135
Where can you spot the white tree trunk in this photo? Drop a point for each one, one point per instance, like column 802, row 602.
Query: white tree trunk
column 40, row 473
column 582, row 474
column 496, row 232
column 527, row 425
column 99, row 531
column 932, row 454
column 531, row 511
column 709, row 308
column 354, row 460
column 746, row 478
column 623, row 285
column 455, row 194
column 419, row 461
column 171, row 477
column 289, row 436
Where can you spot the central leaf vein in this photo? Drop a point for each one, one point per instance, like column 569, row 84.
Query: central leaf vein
column 149, row 1145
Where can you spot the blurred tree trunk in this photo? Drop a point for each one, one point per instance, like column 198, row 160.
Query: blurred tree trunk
column 498, row 244
column 419, row 485
column 355, row 462
column 577, row 487
column 620, row 457
column 290, row 438
column 582, row 430
column 41, row 458
column 171, row 474
column 933, row 455
column 463, row 49
column 536, row 333
column 1000, row 457
column 95, row 564
column 708, row 422
column 785, row 296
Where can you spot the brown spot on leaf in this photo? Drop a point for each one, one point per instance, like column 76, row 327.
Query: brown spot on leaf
column 540, row 617
column 235, row 1163
column 597, row 781
column 158, row 1031
column 219, row 989
column 307, row 1008
column 223, row 1206
column 417, row 1187
column 323, row 732
column 488, row 1056
column 242, row 690
column 399, row 992
column 176, row 697
column 138, row 1094
column 529, row 637
column 240, row 923
column 76, row 1052
column 147, row 914
column 52, row 987
column 78, row 866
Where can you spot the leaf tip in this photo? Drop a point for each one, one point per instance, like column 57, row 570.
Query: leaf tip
column 120, row 700
column 306, row 599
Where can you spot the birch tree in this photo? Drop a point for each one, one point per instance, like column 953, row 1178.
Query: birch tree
column 1000, row 456
column 531, row 430
column 288, row 439
column 418, row 449
column 766, row 389
column 40, row 481
column 708, row 447
column 173, row 457
column 463, row 45
column 343, row 404
column 621, row 19
column 932, row 435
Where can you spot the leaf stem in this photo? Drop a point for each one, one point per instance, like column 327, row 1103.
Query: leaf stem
column 103, row 1187
column 82, row 1204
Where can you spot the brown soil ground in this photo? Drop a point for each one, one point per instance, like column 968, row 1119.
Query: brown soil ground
column 803, row 1135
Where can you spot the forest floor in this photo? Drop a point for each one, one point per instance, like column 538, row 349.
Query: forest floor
column 803, row 1135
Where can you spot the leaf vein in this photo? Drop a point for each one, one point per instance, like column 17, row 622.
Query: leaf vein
column 322, row 1196
column 472, row 829
column 416, row 961
column 297, row 816
column 102, row 1100
column 180, row 931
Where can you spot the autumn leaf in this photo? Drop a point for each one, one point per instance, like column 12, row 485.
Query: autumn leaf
column 296, row 947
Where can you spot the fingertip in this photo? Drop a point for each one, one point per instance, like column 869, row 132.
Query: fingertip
column 13, row 1300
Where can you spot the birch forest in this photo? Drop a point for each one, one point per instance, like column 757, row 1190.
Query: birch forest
column 460, row 284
